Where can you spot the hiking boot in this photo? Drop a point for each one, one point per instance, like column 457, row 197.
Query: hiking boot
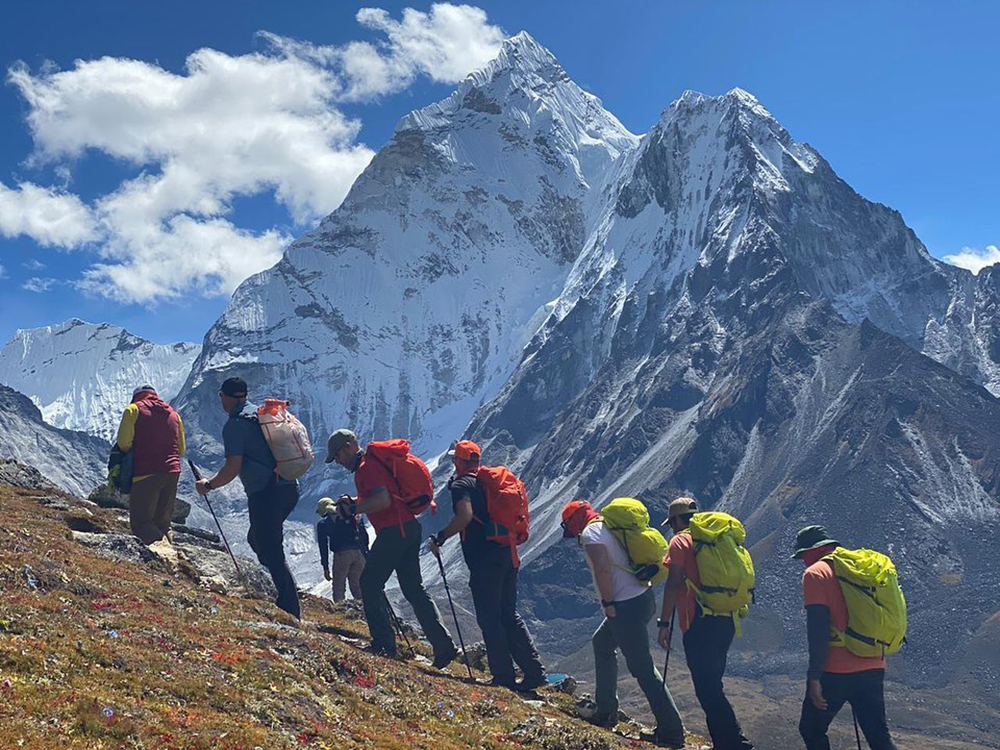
column 443, row 660
column 510, row 684
column 377, row 649
column 606, row 721
column 661, row 739
column 530, row 683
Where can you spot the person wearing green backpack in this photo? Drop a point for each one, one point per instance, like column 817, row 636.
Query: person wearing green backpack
column 624, row 556
column 855, row 617
column 711, row 585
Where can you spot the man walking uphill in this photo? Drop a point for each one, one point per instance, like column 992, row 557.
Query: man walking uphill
column 492, row 575
column 270, row 499
column 396, row 548
column 707, row 637
column 837, row 674
column 343, row 537
column 628, row 605
column 153, row 431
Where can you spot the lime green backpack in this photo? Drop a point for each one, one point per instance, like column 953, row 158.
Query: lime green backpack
column 645, row 547
column 876, row 608
column 725, row 567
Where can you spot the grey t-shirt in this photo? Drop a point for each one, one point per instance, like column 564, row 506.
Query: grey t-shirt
column 242, row 436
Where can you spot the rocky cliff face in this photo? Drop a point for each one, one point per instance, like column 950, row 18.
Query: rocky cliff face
column 82, row 375
column 73, row 461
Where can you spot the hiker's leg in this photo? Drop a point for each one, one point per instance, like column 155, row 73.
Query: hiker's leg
column 166, row 501
column 141, row 507
column 706, row 646
column 630, row 625
column 411, row 584
column 605, row 668
column 381, row 560
column 485, row 582
column 522, row 648
column 354, row 572
column 341, row 566
column 868, row 701
column 268, row 510
column 814, row 723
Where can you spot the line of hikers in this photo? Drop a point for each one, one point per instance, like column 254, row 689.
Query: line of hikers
column 855, row 610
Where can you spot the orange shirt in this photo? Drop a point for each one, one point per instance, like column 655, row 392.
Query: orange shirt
column 820, row 586
column 681, row 555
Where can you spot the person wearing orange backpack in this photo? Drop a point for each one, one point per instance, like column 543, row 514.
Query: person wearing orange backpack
column 493, row 566
column 393, row 486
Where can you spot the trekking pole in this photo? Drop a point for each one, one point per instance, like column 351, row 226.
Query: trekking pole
column 197, row 476
column 670, row 640
column 454, row 614
column 857, row 734
column 397, row 624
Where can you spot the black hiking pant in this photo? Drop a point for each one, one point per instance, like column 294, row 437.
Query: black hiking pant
column 864, row 691
column 706, row 648
column 493, row 580
column 268, row 510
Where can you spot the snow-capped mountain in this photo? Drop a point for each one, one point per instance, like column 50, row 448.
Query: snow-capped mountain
column 734, row 329
column 73, row 461
column 409, row 306
column 82, row 375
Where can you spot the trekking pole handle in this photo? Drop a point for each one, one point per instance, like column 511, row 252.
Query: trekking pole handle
column 194, row 470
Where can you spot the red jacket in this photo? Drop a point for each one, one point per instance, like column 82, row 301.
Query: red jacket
column 158, row 441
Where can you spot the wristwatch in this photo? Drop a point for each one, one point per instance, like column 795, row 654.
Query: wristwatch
column 662, row 624
column 606, row 604
column 209, row 484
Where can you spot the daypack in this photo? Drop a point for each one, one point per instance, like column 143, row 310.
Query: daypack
column 507, row 507
column 644, row 546
column 876, row 608
column 414, row 487
column 287, row 438
column 724, row 565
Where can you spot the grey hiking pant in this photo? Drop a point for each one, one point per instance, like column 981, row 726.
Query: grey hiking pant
column 400, row 552
column 348, row 565
column 627, row 631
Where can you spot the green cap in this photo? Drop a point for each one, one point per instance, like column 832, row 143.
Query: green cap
column 812, row 537
column 337, row 441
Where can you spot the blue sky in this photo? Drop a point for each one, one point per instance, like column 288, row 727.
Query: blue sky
column 900, row 97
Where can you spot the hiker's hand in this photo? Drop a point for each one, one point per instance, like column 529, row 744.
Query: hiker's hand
column 609, row 611
column 816, row 694
column 326, row 573
column 664, row 638
column 344, row 506
column 434, row 547
column 202, row 487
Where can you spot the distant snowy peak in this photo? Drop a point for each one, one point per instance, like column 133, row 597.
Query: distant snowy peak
column 80, row 375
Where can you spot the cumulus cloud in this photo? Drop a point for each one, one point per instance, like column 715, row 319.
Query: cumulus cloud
column 225, row 127
column 975, row 260
column 49, row 217
column 39, row 285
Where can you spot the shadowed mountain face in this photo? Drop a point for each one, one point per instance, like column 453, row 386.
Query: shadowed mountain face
column 73, row 461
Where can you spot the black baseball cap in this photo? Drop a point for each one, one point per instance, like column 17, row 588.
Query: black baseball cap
column 234, row 387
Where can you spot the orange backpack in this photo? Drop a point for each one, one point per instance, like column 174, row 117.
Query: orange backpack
column 507, row 506
column 414, row 488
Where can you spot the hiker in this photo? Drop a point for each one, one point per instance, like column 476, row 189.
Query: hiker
column 154, row 433
column 836, row 674
column 396, row 547
column 707, row 635
column 343, row 537
column 270, row 498
column 493, row 568
column 629, row 605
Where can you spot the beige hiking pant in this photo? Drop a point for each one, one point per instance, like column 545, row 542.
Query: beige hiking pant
column 347, row 567
column 151, row 506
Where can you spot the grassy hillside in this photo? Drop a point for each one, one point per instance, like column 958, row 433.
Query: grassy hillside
column 99, row 653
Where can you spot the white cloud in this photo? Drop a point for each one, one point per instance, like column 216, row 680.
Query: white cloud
column 33, row 264
column 975, row 260
column 39, row 285
column 228, row 126
column 3, row 272
column 49, row 217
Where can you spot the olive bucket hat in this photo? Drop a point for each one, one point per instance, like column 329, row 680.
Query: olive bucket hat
column 812, row 537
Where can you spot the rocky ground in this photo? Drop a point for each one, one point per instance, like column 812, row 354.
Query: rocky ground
column 105, row 643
